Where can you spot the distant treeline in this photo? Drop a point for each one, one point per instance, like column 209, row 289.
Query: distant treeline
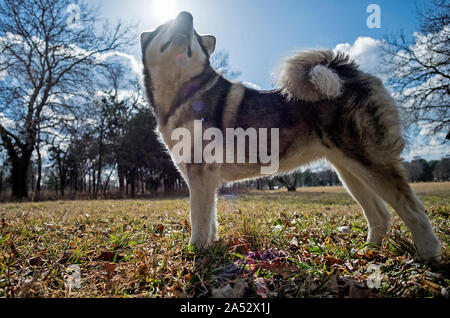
column 418, row 170
column 147, row 170
column 421, row 170
column 307, row 178
column 120, row 157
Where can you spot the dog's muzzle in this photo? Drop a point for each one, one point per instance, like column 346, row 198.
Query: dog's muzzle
column 183, row 25
column 181, row 33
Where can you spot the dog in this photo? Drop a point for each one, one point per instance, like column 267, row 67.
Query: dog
column 325, row 108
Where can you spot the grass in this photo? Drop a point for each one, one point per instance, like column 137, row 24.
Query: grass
column 273, row 244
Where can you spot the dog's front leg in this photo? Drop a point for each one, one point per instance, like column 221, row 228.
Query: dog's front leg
column 203, row 183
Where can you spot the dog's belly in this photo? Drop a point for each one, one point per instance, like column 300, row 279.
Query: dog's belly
column 237, row 172
column 297, row 156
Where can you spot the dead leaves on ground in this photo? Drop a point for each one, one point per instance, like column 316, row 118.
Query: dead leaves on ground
column 297, row 252
column 271, row 273
column 110, row 257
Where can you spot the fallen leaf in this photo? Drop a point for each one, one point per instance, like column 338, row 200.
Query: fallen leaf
column 109, row 256
column 36, row 261
column 13, row 249
column 159, row 228
column 431, row 284
column 239, row 245
column 4, row 223
column 332, row 260
column 185, row 224
column 261, row 288
column 109, row 268
column 373, row 255
column 143, row 269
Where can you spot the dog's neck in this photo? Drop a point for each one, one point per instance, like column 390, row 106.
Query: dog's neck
column 165, row 85
column 170, row 90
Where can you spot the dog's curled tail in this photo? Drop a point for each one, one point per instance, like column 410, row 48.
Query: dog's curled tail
column 315, row 75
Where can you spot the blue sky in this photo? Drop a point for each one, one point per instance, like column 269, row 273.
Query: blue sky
column 259, row 33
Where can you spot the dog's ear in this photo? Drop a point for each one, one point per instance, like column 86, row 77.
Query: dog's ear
column 209, row 42
column 146, row 38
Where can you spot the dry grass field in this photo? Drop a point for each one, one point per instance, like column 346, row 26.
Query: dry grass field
column 309, row 243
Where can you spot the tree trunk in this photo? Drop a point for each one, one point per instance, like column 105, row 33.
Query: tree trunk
column 271, row 184
column 121, row 174
column 37, row 193
column 1, row 180
column 63, row 184
column 142, row 183
column 105, row 187
column 93, row 183
column 100, row 158
column 133, row 182
column 19, row 176
column 89, row 181
column 62, row 174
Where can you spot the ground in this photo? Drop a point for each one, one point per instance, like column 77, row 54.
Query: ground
column 309, row 243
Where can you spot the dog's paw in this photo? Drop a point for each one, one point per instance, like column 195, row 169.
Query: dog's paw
column 431, row 252
column 430, row 259
column 203, row 241
column 371, row 246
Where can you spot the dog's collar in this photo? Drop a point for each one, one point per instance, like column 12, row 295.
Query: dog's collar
column 190, row 88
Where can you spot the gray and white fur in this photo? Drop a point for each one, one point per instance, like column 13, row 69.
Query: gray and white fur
column 325, row 108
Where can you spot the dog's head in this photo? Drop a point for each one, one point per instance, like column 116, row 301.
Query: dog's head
column 176, row 49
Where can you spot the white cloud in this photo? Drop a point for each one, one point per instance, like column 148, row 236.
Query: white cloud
column 130, row 60
column 428, row 152
column 427, row 145
column 365, row 51
column 317, row 165
column 6, row 122
column 251, row 85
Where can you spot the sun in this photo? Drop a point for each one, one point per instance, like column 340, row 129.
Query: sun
column 164, row 10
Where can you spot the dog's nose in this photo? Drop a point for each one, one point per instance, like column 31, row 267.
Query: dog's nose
column 185, row 17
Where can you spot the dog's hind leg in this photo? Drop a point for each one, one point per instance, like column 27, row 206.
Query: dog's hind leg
column 203, row 181
column 375, row 211
column 388, row 180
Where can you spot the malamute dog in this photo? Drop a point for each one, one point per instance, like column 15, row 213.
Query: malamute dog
column 325, row 108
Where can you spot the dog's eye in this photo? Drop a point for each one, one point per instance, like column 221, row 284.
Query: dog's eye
column 165, row 46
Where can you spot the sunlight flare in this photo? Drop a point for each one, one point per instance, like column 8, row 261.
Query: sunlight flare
column 164, row 10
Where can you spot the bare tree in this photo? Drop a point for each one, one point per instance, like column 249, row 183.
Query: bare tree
column 120, row 97
column 220, row 61
column 46, row 65
column 418, row 69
